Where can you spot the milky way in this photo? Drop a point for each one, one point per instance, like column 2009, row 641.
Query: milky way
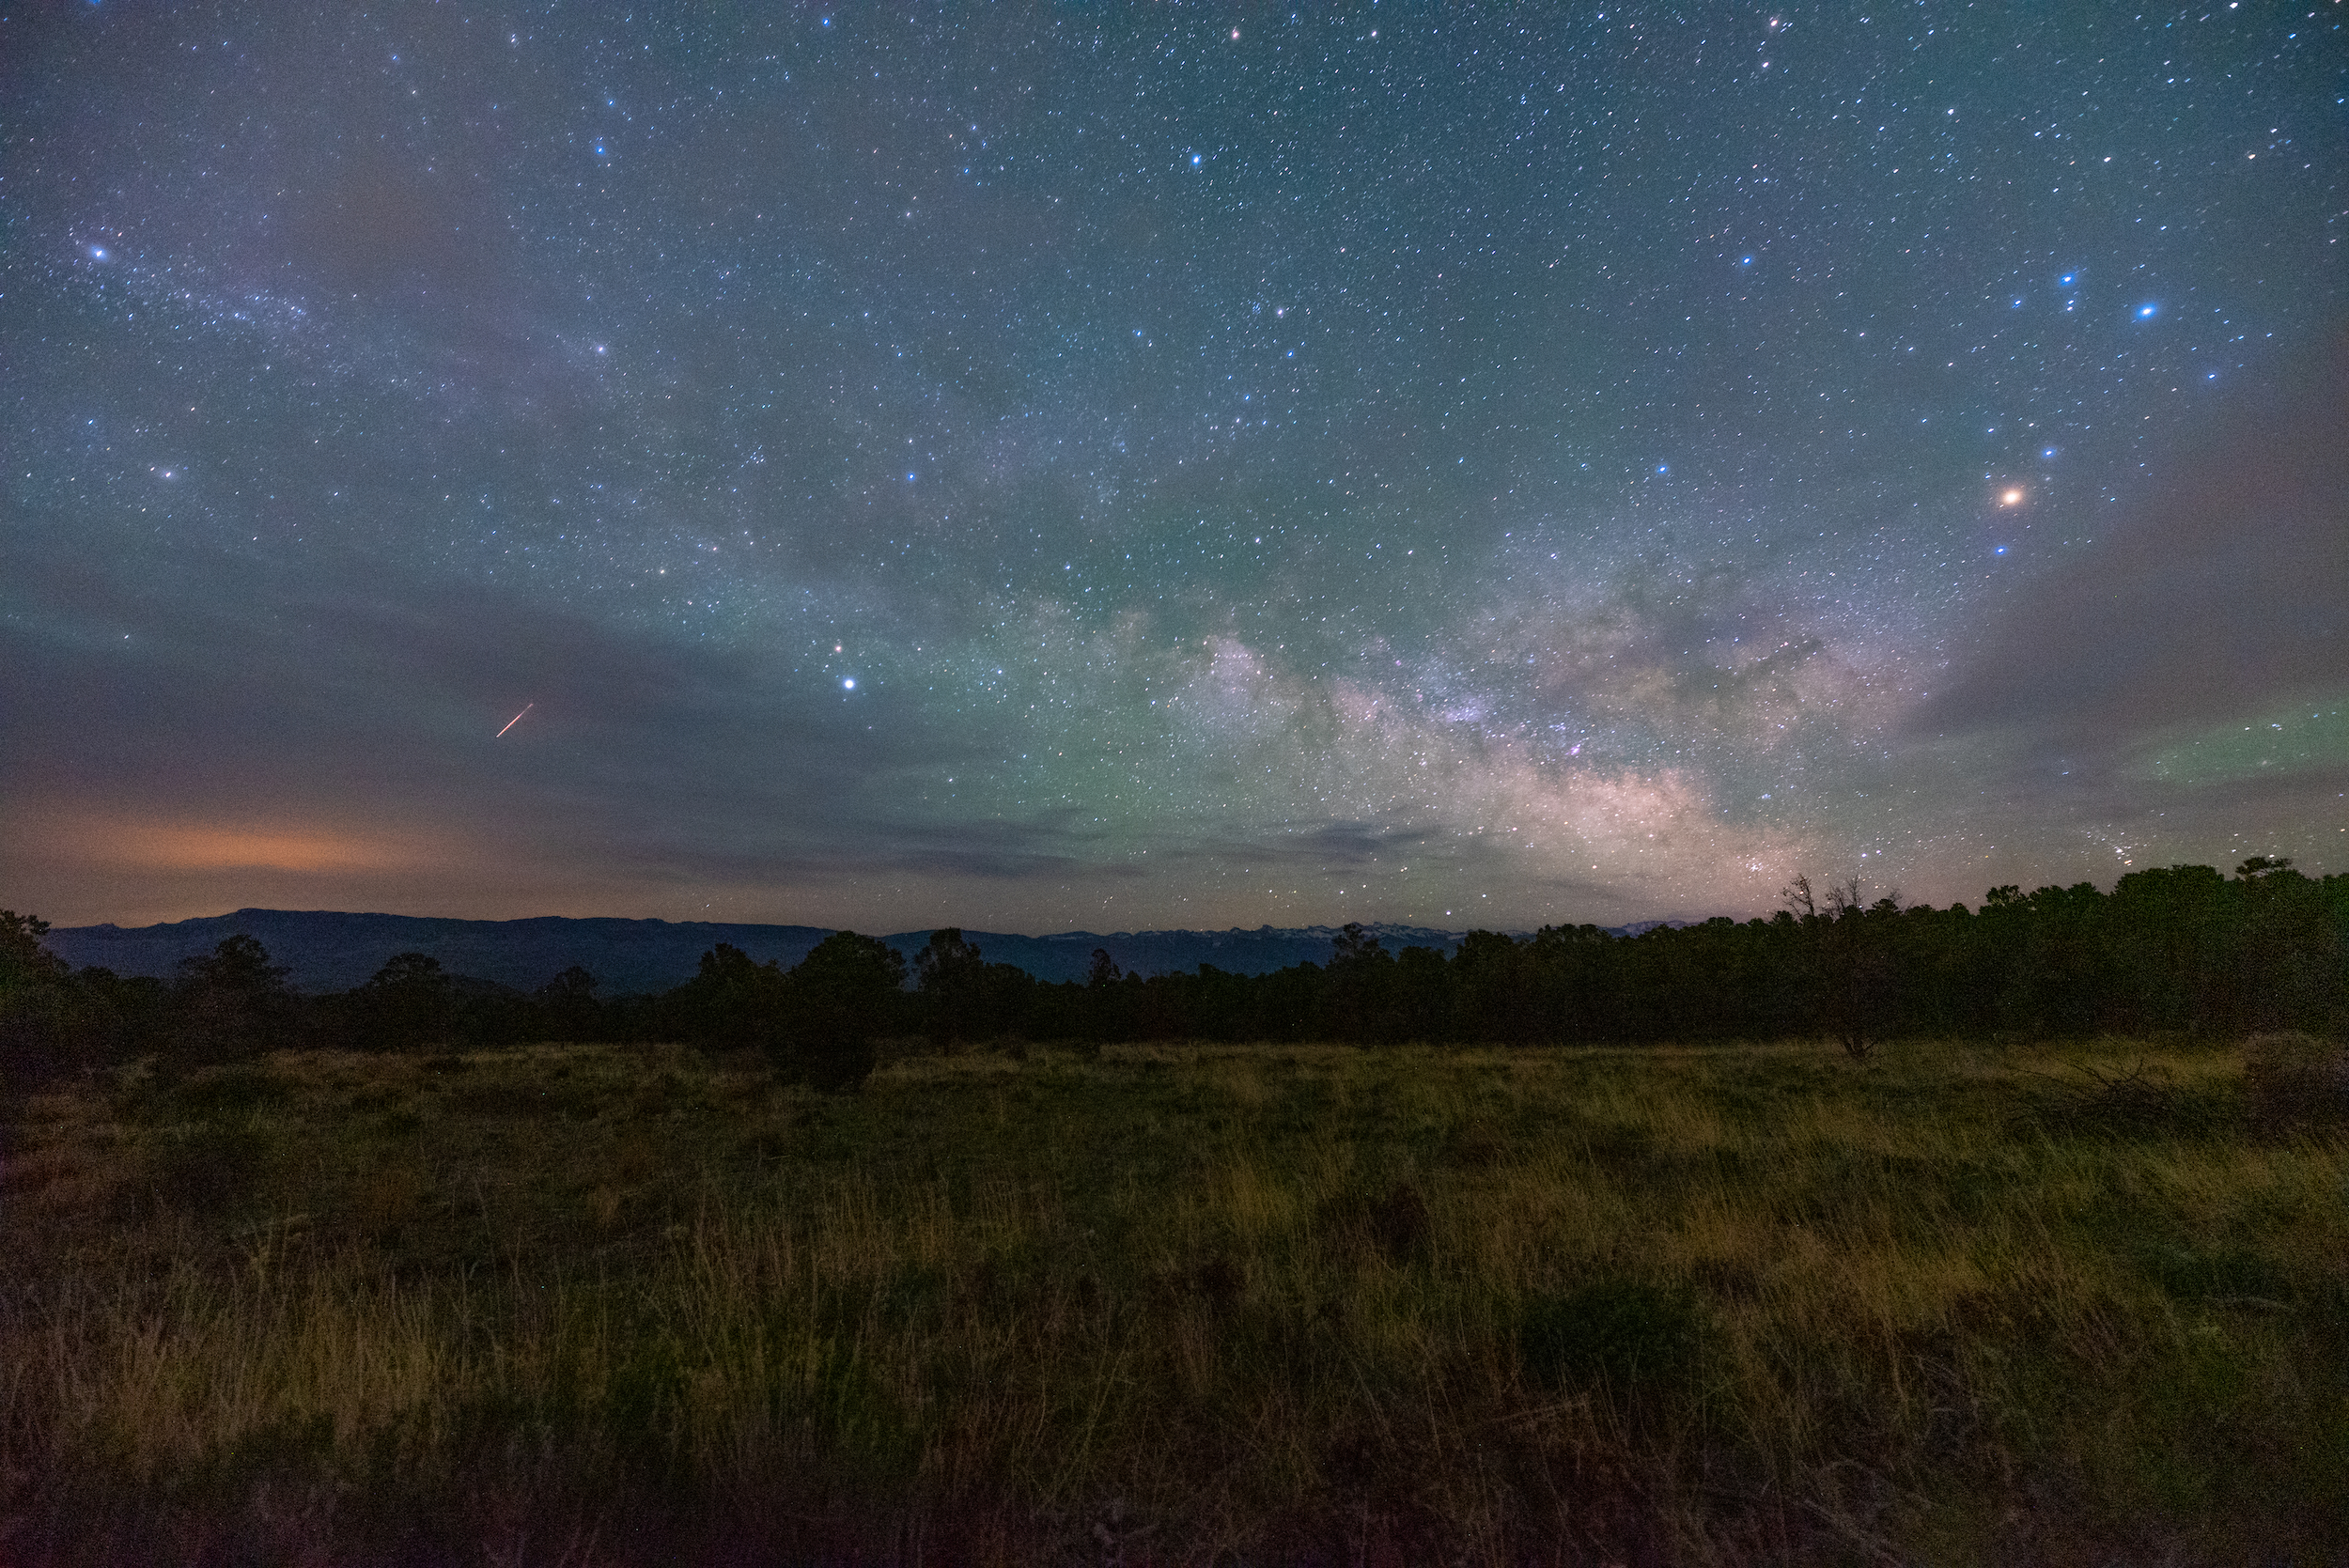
column 1045, row 467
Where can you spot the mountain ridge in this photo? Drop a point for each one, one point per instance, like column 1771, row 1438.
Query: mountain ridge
column 330, row 949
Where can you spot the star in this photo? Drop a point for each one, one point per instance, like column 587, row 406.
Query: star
column 457, row 418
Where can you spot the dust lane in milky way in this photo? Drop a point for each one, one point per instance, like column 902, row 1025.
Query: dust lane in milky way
column 1190, row 467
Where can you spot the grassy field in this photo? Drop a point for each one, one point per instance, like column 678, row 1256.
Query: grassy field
column 587, row 1304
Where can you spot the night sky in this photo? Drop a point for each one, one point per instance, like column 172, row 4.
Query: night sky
column 1040, row 467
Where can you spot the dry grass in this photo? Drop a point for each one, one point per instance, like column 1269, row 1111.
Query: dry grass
column 599, row 1305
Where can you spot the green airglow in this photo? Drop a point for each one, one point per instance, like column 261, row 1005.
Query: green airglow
column 2310, row 734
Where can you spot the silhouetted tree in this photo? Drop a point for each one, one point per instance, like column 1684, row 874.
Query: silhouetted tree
column 1420, row 1000
column 1489, row 974
column 1353, row 945
column 952, row 978
column 1844, row 960
column 2173, row 935
column 408, row 1002
column 2290, row 956
column 847, row 990
column 1358, row 985
column 1855, row 966
column 230, row 1003
column 36, row 1009
column 24, row 962
column 2181, row 948
column 1574, row 986
column 731, row 1003
column 2059, row 984
column 1109, row 1005
column 568, row 1008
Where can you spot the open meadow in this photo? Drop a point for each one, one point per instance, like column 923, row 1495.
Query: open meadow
column 1738, row 1304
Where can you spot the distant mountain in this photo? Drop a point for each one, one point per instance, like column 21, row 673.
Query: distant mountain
column 333, row 952
column 328, row 950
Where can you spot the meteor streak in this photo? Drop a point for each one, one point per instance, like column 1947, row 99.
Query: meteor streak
column 516, row 719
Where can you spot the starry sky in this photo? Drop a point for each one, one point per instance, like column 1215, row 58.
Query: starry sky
column 1042, row 467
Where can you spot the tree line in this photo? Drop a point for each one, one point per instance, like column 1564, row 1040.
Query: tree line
column 2178, row 950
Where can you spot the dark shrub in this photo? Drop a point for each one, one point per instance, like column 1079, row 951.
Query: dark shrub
column 210, row 1169
column 838, row 1065
column 237, row 1088
column 1399, row 1223
column 1623, row 1333
column 2295, row 1080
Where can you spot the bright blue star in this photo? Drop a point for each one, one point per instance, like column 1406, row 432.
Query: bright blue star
column 2068, row 279
column 909, row 476
column 848, row 685
column 1195, row 160
column 2146, row 310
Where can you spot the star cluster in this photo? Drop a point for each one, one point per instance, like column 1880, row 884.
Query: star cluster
column 1196, row 466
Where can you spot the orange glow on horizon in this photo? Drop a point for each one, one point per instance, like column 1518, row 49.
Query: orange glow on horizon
column 150, row 846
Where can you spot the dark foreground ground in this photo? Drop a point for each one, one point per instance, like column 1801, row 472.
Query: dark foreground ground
column 592, row 1305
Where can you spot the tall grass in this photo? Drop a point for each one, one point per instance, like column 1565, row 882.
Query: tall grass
column 1180, row 1305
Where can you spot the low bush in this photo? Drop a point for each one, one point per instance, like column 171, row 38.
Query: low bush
column 2296, row 1080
